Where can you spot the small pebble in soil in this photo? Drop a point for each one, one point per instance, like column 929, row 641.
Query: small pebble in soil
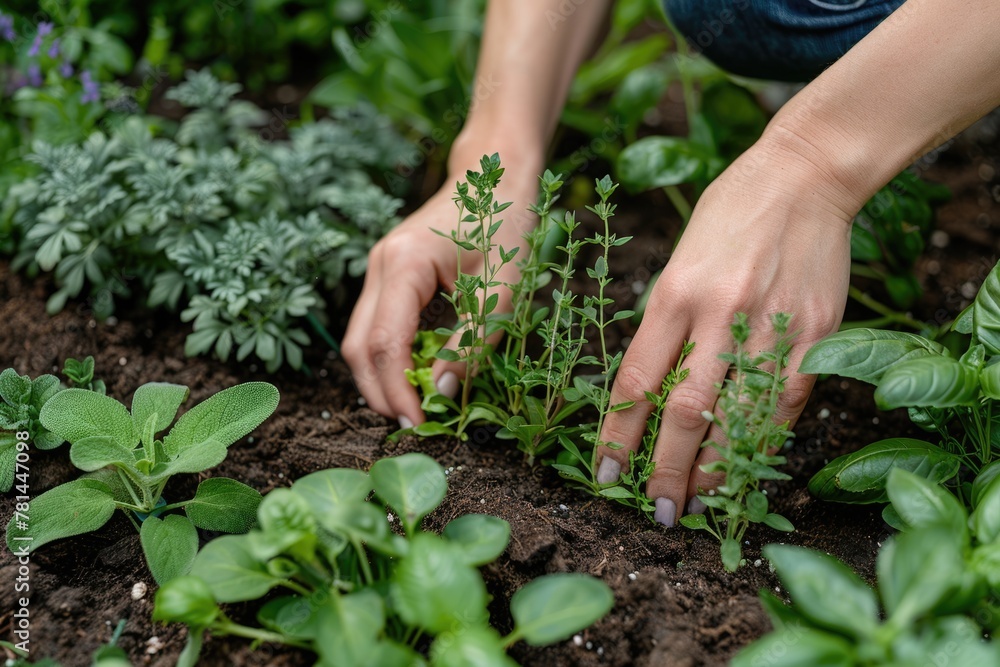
column 621, row 548
column 92, row 324
column 250, row 440
column 845, row 385
column 638, row 287
column 969, row 290
column 986, row 172
column 138, row 590
column 823, row 414
column 390, row 517
column 632, row 576
column 563, row 508
column 933, row 267
column 600, row 650
column 590, row 645
column 777, row 589
column 323, row 372
column 111, row 321
column 578, row 640
column 122, row 361
column 153, row 644
column 482, row 501
column 281, row 475
column 843, row 416
column 875, row 420
column 940, row 239
column 711, row 492
column 758, row 563
column 362, row 401
column 325, row 414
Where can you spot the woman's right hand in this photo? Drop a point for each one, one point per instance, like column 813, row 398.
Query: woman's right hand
column 406, row 269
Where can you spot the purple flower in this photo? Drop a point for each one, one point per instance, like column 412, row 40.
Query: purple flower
column 66, row 69
column 54, row 49
column 91, row 89
column 34, row 75
column 44, row 28
column 7, row 27
column 36, row 46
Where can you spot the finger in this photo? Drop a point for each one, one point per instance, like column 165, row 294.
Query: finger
column 684, row 426
column 354, row 347
column 654, row 350
column 394, row 326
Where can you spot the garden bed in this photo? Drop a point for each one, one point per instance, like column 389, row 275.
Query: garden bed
column 674, row 603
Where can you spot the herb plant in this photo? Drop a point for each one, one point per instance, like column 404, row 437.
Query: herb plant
column 246, row 236
column 127, row 467
column 357, row 593
column 952, row 399
column 748, row 401
column 21, row 401
column 80, row 373
column 937, row 588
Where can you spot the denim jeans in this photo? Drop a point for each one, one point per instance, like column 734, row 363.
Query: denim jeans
column 787, row 40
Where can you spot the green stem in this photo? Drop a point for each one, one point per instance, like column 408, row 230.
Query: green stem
column 680, row 202
column 884, row 310
column 228, row 627
column 322, row 331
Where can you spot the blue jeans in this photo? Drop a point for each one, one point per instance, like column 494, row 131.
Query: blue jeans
column 788, row 40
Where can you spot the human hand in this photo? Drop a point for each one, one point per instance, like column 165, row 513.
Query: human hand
column 405, row 271
column 771, row 234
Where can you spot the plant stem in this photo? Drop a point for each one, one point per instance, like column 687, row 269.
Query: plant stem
column 884, row 310
column 228, row 627
column 680, row 202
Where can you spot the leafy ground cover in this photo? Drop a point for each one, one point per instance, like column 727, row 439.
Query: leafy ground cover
column 679, row 605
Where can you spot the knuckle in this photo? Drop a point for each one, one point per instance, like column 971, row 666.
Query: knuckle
column 632, row 383
column 686, row 403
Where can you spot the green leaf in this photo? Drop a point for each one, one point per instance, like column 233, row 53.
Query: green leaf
column 433, row 589
column 327, row 489
column 347, row 626
column 756, row 506
column 917, row 570
column 482, row 537
column 825, row 590
column 985, row 518
column 656, row 162
column 43, row 388
column 732, row 554
column 986, row 313
column 617, row 492
column 989, row 379
column 364, row 522
column 474, row 645
column 224, row 417
column 413, row 484
column 921, row 504
column 553, row 607
column 160, row 398
column 938, row 382
column 185, row 600
column 866, row 354
column 75, row 414
column 983, row 481
column 196, row 458
column 778, row 522
column 223, row 505
column 293, row 616
column 694, row 521
column 231, row 571
column 860, row 477
column 73, row 508
column 15, row 389
column 810, row 648
column 98, row 451
column 170, row 546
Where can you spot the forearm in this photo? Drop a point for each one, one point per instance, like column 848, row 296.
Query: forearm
column 531, row 50
column 927, row 72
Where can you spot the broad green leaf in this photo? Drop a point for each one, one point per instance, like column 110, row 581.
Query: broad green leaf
column 364, row 522
column 656, row 162
column 985, row 518
column 953, row 641
column 922, row 504
column 413, row 484
column 224, row 417
column 73, row 508
column 983, row 481
column 230, row 570
column 860, row 477
column 292, row 615
column 938, row 382
column 434, row 590
column 327, row 489
column 284, row 510
column 989, row 380
column 15, row 389
column 187, row 600
column 223, row 505
column 8, row 462
column 98, row 451
column 825, row 590
column 43, row 388
column 916, row 570
column 482, row 537
column 756, row 506
column 986, row 313
column 778, row 522
column 199, row 457
column 811, row 648
column 866, row 354
column 473, row 645
column 170, row 546
column 553, row 607
column 160, row 398
column 731, row 553
column 75, row 414
column 347, row 626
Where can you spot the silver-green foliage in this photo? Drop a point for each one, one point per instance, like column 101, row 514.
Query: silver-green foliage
column 241, row 232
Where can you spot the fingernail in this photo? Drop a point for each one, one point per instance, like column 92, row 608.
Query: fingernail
column 666, row 512
column 609, row 471
column 695, row 506
column 404, row 422
column 447, row 384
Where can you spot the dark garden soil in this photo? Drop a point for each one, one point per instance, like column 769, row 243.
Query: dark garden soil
column 675, row 604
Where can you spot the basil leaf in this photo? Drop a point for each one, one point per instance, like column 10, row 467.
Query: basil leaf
column 866, row 354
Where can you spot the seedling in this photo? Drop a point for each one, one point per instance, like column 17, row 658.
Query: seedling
column 937, row 584
column 81, row 374
column 21, row 400
column 127, row 468
column 355, row 592
column 748, row 401
column 953, row 399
